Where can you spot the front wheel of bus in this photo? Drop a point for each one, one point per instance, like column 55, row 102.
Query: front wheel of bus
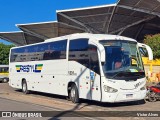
column 74, row 96
column 24, row 87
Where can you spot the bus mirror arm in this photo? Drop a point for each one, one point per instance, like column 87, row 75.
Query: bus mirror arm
column 102, row 54
column 149, row 50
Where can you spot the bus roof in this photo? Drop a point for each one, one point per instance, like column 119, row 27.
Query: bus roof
column 93, row 36
column 96, row 37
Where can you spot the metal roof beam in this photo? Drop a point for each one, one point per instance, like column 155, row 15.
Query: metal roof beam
column 95, row 15
column 130, row 25
column 104, row 26
column 74, row 27
column 138, row 2
column 87, row 23
column 25, row 41
column 139, row 31
column 153, row 25
column 76, row 21
column 32, row 33
column 140, row 10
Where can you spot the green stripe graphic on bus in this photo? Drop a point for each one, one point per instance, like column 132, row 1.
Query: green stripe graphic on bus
column 29, row 68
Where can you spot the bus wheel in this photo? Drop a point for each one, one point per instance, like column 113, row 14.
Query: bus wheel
column 24, row 87
column 74, row 94
column 152, row 97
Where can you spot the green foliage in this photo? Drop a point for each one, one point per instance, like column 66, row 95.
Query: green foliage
column 4, row 53
column 154, row 42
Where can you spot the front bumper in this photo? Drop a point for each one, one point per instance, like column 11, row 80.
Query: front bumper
column 124, row 96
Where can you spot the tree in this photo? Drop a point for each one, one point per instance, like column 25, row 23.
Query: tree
column 4, row 53
column 154, row 42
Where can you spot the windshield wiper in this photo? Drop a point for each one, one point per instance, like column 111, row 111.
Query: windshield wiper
column 117, row 74
column 127, row 75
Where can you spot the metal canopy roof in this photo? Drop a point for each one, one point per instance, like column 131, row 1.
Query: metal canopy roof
column 38, row 32
column 49, row 29
column 150, row 25
column 92, row 19
column 19, row 38
column 139, row 31
column 147, row 6
column 117, row 18
column 130, row 18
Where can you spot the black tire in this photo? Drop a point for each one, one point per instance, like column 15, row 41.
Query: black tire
column 73, row 95
column 152, row 97
column 24, row 87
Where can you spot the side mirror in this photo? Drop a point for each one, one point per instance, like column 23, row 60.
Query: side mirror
column 149, row 50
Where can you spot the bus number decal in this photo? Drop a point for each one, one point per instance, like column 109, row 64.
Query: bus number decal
column 72, row 73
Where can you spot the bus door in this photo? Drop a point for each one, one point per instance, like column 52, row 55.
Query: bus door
column 84, row 68
column 79, row 71
column 94, row 74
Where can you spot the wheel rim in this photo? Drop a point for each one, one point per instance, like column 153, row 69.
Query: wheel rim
column 4, row 80
column 24, row 87
column 152, row 97
column 73, row 93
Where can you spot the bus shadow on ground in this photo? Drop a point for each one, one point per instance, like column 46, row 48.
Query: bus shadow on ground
column 118, row 104
column 83, row 103
column 87, row 102
column 40, row 94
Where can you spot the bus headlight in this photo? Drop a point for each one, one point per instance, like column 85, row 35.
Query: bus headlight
column 109, row 89
column 143, row 88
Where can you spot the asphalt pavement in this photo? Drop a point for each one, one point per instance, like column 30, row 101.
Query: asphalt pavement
column 55, row 105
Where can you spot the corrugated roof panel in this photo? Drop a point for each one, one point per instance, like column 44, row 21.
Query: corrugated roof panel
column 151, row 5
column 19, row 38
column 89, row 12
column 95, row 19
column 47, row 30
column 128, row 2
column 13, row 37
column 32, row 39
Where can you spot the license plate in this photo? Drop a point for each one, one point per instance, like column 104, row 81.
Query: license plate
column 129, row 95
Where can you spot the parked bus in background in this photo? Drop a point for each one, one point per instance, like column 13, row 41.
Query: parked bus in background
column 106, row 68
column 4, row 73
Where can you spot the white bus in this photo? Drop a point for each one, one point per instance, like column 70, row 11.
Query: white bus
column 106, row 68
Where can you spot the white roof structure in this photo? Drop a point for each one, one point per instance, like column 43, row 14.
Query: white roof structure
column 19, row 38
column 47, row 30
column 130, row 18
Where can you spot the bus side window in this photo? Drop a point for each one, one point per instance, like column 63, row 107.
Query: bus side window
column 94, row 63
column 78, row 51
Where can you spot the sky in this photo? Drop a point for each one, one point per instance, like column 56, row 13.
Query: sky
column 14, row 12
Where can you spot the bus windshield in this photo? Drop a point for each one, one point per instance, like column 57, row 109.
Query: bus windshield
column 123, row 60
